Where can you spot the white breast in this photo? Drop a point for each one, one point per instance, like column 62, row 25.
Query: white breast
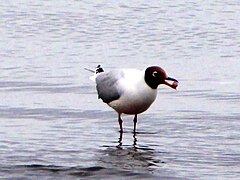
column 137, row 95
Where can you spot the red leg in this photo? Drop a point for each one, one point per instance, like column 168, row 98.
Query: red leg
column 135, row 123
column 120, row 121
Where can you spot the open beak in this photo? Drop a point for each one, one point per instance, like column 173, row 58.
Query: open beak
column 173, row 85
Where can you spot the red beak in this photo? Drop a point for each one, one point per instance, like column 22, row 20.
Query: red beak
column 173, row 85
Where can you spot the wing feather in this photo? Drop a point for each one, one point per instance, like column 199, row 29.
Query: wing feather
column 107, row 85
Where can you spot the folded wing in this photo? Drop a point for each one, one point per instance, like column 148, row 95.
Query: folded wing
column 107, row 85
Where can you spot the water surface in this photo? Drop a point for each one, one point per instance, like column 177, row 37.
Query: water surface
column 53, row 125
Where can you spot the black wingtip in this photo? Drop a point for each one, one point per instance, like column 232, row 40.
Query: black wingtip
column 99, row 69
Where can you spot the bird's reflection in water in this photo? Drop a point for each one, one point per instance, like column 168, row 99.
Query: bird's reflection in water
column 134, row 157
column 120, row 141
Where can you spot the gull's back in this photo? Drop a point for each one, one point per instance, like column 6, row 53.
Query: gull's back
column 107, row 85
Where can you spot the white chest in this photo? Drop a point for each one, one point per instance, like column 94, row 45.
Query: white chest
column 137, row 96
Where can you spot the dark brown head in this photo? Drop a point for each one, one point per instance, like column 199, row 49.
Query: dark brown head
column 155, row 76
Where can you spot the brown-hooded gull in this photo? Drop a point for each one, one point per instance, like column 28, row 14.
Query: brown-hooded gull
column 130, row 91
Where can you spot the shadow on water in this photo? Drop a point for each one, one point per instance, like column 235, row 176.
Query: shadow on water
column 119, row 160
column 49, row 171
column 132, row 158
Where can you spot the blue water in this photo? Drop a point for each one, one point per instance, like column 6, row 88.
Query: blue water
column 54, row 127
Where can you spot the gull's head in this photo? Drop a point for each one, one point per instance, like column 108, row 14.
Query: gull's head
column 155, row 76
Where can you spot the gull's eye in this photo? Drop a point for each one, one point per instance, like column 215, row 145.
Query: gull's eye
column 154, row 74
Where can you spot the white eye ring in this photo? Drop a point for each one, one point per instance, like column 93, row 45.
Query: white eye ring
column 154, row 74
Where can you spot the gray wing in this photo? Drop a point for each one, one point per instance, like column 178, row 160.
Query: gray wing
column 107, row 85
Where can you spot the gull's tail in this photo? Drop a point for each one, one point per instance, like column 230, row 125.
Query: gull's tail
column 98, row 69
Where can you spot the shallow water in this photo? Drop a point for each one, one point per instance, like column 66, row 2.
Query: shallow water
column 53, row 125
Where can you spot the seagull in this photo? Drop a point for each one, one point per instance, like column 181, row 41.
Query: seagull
column 130, row 91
